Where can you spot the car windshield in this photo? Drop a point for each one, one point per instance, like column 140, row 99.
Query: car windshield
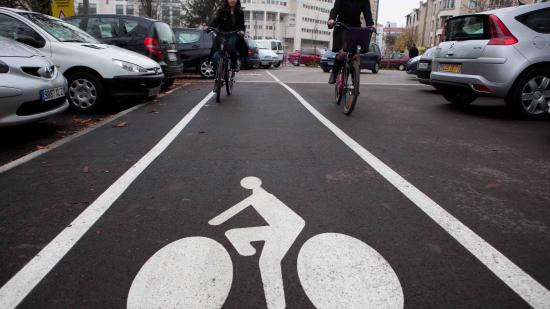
column 252, row 44
column 60, row 30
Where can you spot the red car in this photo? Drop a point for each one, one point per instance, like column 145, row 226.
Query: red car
column 305, row 56
column 394, row 61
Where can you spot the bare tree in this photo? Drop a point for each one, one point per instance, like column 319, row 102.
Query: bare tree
column 196, row 12
column 150, row 8
column 41, row 6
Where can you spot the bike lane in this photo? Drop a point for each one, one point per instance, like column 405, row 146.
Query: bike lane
column 305, row 167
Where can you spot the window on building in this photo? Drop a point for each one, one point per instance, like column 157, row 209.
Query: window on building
column 119, row 9
column 130, row 10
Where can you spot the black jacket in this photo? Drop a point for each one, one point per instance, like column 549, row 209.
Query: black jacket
column 226, row 23
column 349, row 12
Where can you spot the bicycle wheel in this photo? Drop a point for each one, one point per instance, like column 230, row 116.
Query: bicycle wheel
column 363, row 279
column 351, row 91
column 339, row 87
column 193, row 272
column 219, row 79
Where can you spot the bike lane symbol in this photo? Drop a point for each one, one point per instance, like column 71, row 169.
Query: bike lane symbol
column 335, row 270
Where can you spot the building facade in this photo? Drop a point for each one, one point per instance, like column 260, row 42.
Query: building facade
column 427, row 21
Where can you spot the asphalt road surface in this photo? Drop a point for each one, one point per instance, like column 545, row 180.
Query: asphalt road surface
column 409, row 202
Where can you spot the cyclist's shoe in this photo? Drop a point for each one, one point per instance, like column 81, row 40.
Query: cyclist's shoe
column 332, row 79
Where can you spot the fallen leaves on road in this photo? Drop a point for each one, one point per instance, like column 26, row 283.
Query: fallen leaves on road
column 153, row 111
column 40, row 147
column 120, row 124
column 85, row 169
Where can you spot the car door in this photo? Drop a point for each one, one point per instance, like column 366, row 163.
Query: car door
column 18, row 30
column 189, row 43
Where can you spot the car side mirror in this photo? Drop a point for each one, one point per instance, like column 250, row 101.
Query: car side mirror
column 31, row 41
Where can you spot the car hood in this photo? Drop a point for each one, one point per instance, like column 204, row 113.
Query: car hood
column 11, row 48
column 111, row 52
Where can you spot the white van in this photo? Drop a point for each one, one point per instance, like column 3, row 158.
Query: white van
column 276, row 46
column 93, row 70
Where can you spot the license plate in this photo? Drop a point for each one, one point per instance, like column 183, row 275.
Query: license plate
column 172, row 57
column 52, row 94
column 154, row 91
column 331, row 63
column 422, row 65
column 451, row 67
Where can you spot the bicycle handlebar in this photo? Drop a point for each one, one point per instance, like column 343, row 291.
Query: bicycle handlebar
column 342, row 25
column 216, row 31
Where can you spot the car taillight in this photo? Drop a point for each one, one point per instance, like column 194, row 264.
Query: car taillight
column 250, row 52
column 500, row 35
column 153, row 46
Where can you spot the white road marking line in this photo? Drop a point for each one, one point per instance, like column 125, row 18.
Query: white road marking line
column 20, row 285
column 35, row 154
column 325, row 83
column 523, row 284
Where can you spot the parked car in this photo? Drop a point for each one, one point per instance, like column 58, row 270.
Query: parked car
column 369, row 60
column 412, row 65
column 306, row 56
column 502, row 53
column 152, row 38
column 31, row 88
column 276, row 46
column 395, row 61
column 267, row 57
column 253, row 58
column 425, row 66
column 194, row 47
column 94, row 71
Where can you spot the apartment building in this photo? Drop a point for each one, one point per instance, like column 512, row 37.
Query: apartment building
column 297, row 23
column 427, row 21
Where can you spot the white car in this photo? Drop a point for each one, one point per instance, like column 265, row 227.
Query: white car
column 276, row 46
column 267, row 57
column 94, row 71
column 31, row 88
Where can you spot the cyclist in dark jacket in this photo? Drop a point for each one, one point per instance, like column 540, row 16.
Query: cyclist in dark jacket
column 229, row 17
column 347, row 12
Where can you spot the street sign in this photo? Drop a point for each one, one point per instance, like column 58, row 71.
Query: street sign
column 62, row 8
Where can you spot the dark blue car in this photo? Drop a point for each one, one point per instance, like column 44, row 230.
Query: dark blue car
column 369, row 61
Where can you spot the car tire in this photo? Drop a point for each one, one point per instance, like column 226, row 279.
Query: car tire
column 401, row 67
column 278, row 64
column 206, row 69
column 326, row 70
column 266, row 66
column 167, row 83
column 537, row 106
column 376, row 68
column 86, row 92
column 459, row 96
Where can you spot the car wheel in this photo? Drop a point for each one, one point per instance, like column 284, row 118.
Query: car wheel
column 376, row 68
column 326, row 70
column 206, row 69
column 531, row 95
column 86, row 91
column 401, row 67
column 278, row 64
column 266, row 66
column 459, row 96
column 167, row 83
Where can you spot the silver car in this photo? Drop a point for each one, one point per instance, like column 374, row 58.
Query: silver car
column 503, row 53
column 31, row 88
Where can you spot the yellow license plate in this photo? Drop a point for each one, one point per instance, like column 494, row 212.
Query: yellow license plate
column 451, row 67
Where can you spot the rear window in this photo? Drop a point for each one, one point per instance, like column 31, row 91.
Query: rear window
column 539, row 20
column 466, row 28
column 251, row 44
column 163, row 33
column 188, row 37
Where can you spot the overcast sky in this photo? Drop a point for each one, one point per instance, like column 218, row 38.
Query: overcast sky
column 395, row 10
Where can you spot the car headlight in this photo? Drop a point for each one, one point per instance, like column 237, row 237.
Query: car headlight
column 4, row 68
column 130, row 67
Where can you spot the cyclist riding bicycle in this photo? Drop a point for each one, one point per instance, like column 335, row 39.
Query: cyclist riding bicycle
column 346, row 12
column 229, row 17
